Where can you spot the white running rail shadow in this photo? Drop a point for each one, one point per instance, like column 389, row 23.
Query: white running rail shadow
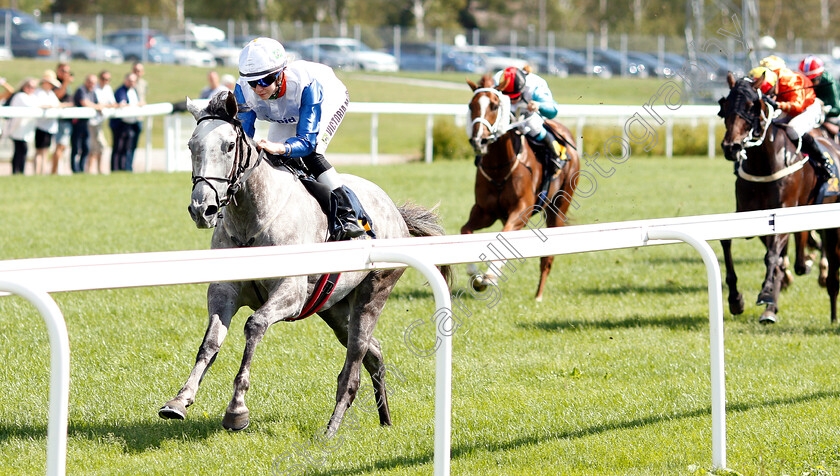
column 34, row 278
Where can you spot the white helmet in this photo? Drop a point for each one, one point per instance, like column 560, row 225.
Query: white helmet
column 261, row 57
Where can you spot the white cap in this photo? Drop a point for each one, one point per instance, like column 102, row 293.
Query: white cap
column 261, row 57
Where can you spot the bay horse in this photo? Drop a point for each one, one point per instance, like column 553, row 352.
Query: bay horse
column 264, row 206
column 771, row 173
column 509, row 174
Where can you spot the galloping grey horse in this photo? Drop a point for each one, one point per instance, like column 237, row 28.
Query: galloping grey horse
column 264, row 207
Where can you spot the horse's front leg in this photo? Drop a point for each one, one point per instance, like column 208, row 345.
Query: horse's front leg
column 221, row 306
column 284, row 301
column 769, row 294
column 478, row 219
column 736, row 299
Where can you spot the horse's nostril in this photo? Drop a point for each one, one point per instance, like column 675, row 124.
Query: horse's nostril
column 211, row 211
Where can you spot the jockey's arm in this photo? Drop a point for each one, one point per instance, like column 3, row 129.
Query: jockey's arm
column 309, row 121
column 544, row 103
column 245, row 114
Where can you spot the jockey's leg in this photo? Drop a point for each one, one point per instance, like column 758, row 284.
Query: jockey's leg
column 344, row 222
column 803, row 124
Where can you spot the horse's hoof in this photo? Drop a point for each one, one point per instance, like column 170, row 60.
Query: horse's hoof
column 736, row 305
column 765, row 299
column 173, row 410
column 538, row 299
column 767, row 318
column 478, row 283
column 804, row 269
column 236, row 421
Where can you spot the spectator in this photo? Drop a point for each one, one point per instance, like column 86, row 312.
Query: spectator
column 46, row 128
column 65, row 126
column 228, row 81
column 85, row 97
column 22, row 129
column 213, row 86
column 124, row 129
column 98, row 144
column 142, row 87
column 7, row 90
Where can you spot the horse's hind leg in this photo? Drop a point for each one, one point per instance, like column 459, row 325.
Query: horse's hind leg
column 804, row 261
column 832, row 253
column 366, row 302
column 736, row 299
column 221, row 305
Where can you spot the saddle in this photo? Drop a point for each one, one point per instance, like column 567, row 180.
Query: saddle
column 320, row 192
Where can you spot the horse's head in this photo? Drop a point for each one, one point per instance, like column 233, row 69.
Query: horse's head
column 490, row 113
column 741, row 111
column 222, row 158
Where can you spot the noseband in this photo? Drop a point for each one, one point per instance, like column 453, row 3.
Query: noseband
column 241, row 169
column 502, row 123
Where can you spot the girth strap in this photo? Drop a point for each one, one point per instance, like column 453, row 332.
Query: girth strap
column 322, row 292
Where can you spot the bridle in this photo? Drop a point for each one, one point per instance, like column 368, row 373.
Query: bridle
column 502, row 123
column 759, row 120
column 241, row 169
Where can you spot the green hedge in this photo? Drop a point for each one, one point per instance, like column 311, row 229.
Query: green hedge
column 450, row 141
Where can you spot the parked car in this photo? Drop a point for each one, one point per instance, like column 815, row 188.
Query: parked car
column 223, row 53
column 27, row 37
column 312, row 52
column 78, row 47
column 359, row 55
column 537, row 61
column 424, row 57
column 613, row 60
column 493, row 59
column 159, row 48
column 575, row 63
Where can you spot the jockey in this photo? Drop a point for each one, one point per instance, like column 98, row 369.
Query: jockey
column 824, row 85
column 770, row 78
column 305, row 103
column 802, row 111
column 529, row 92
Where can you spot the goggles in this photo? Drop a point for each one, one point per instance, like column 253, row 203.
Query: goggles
column 264, row 81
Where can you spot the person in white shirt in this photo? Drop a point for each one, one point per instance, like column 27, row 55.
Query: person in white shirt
column 98, row 143
column 22, row 129
column 45, row 128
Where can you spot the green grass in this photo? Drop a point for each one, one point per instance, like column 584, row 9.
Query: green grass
column 609, row 375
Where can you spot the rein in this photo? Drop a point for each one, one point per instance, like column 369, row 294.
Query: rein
column 239, row 172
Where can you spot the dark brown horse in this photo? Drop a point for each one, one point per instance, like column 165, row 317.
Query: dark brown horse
column 772, row 173
column 509, row 174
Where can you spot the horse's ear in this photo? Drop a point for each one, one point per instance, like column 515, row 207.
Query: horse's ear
column 757, row 81
column 230, row 105
column 194, row 110
column 730, row 79
column 471, row 84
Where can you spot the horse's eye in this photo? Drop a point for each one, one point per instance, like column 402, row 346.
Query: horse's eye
column 230, row 146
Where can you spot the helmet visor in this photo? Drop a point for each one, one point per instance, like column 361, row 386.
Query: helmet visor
column 265, row 81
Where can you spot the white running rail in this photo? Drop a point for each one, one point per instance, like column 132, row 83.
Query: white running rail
column 34, row 278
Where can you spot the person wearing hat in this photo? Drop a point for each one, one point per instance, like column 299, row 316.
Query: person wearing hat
column 770, row 79
column 304, row 103
column 802, row 111
column 45, row 128
column 824, row 87
column 529, row 93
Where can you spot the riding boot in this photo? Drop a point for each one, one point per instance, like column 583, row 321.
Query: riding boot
column 553, row 161
column 345, row 223
column 819, row 157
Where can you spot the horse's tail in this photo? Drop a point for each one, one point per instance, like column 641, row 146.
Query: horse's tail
column 422, row 221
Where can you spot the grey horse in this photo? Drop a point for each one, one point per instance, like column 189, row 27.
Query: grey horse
column 264, row 206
